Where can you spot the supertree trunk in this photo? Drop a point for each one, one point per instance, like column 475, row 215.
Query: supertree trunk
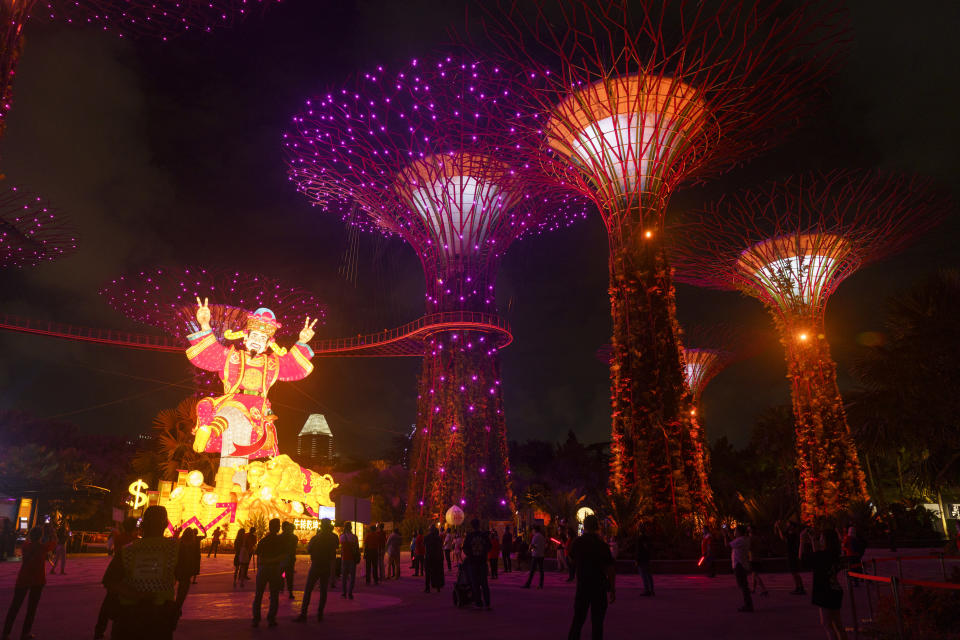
column 460, row 447
column 650, row 400
column 700, row 488
column 13, row 16
column 831, row 478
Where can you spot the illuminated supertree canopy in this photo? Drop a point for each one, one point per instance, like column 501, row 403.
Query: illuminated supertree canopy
column 636, row 98
column 790, row 245
column 166, row 298
column 31, row 230
column 424, row 153
column 154, row 18
column 708, row 350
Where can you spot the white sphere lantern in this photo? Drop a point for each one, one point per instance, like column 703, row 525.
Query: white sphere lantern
column 454, row 516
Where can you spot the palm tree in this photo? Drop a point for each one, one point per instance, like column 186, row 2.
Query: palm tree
column 173, row 434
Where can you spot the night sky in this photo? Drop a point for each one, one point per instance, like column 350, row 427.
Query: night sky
column 170, row 154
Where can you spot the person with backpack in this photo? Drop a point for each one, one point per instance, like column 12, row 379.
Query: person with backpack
column 476, row 547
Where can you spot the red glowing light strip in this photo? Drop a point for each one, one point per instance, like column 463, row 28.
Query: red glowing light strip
column 406, row 337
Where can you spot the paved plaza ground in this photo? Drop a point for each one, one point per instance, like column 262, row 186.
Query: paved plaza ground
column 686, row 606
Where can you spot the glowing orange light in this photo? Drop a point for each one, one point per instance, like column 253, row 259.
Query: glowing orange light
column 802, row 337
column 693, row 411
column 648, row 234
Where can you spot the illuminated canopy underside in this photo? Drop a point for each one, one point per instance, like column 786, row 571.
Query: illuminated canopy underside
column 796, row 270
column 459, row 197
column 626, row 132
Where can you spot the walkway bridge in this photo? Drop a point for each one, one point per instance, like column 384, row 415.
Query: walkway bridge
column 404, row 341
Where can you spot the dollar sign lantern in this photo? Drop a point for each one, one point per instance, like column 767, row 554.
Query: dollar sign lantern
column 138, row 490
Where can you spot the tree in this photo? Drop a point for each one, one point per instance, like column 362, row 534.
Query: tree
column 908, row 406
column 171, row 448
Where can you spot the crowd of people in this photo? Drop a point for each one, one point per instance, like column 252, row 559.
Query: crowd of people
column 150, row 574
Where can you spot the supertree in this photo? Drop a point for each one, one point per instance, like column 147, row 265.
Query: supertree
column 165, row 298
column 421, row 152
column 636, row 98
column 156, row 18
column 32, row 231
column 709, row 350
column 790, row 245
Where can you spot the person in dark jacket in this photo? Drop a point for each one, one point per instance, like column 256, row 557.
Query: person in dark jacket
column 643, row 563
column 323, row 551
column 433, row 560
column 596, row 577
column 188, row 564
column 476, row 546
column 506, row 548
column 290, row 540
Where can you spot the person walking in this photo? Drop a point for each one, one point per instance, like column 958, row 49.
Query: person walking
column 740, row 560
column 826, row 592
column 494, row 555
column 371, row 556
column 393, row 554
column 144, row 579
column 433, row 560
column 214, row 543
column 188, row 564
column 506, row 548
column 250, row 546
column 238, row 544
column 571, row 569
column 448, row 547
column 108, row 608
column 419, row 552
column 60, row 552
column 755, row 563
column 643, row 563
column 381, row 551
column 596, row 579
column 792, row 539
column 706, row 553
column 349, row 559
column 30, row 581
column 458, row 547
column 290, row 542
column 323, row 551
column 561, row 551
column 538, row 546
column 476, row 546
column 272, row 553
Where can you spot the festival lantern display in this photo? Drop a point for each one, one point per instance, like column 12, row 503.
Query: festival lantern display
column 165, row 298
column 634, row 99
column 790, row 245
column 31, row 230
column 422, row 154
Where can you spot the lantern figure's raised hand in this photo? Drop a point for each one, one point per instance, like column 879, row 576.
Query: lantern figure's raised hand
column 240, row 424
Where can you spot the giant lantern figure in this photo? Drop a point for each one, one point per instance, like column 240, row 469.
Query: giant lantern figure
column 31, row 230
column 419, row 152
column 636, row 98
column 165, row 298
column 790, row 245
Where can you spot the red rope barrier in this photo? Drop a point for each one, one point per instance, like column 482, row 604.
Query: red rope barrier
column 905, row 582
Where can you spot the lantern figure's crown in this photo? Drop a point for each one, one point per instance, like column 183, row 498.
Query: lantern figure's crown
column 264, row 321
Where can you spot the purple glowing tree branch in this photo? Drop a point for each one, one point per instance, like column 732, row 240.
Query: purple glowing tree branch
column 427, row 153
column 32, row 231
